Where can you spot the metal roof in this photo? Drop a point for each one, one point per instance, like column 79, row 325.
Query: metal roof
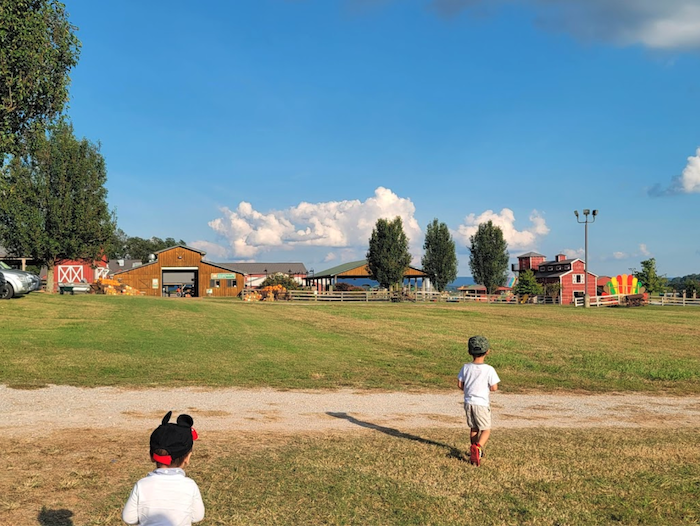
column 262, row 269
column 362, row 272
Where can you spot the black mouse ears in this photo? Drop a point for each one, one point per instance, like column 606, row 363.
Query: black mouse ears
column 185, row 420
column 166, row 418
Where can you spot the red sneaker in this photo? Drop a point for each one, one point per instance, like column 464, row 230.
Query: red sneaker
column 475, row 454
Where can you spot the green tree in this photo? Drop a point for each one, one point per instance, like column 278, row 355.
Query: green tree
column 440, row 257
column 38, row 48
column 488, row 256
column 285, row 280
column 53, row 203
column 527, row 284
column 649, row 277
column 388, row 257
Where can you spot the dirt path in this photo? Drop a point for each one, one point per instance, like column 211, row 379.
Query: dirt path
column 34, row 413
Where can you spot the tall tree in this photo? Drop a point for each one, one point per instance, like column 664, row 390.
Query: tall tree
column 649, row 277
column 38, row 48
column 388, row 257
column 488, row 256
column 53, row 203
column 440, row 257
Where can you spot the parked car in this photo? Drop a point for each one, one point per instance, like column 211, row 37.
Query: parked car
column 16, row 282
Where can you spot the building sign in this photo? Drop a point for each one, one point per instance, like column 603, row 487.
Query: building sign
column 223, row 275
column 154, row 283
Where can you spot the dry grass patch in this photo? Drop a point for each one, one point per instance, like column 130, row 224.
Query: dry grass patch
column 378, row 476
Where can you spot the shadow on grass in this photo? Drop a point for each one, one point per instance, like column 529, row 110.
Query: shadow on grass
column 451, row 450
column 55, row 517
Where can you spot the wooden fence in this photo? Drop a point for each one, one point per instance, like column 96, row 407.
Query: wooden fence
column 338, row 295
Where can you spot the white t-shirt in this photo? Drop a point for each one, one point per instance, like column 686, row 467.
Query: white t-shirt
column 165, row 497
column 478, row 379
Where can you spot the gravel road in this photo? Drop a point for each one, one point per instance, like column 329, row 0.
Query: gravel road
column 35, row 413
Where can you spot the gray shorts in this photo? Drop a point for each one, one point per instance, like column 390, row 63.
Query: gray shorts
column 478, row 416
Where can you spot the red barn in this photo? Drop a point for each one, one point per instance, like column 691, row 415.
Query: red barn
column 79, row 271
column 570, row 274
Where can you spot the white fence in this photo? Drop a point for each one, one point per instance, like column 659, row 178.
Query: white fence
column 608, row 301
column 679, row 301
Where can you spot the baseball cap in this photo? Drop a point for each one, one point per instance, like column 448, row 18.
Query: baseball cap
column 177, row 439
column 478, row 345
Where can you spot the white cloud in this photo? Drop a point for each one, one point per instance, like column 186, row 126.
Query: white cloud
column 505, row 219
column 331, row 256
column 620, row 255
column 656, row 24
column 643, row 250
column 686, row 183
column 214, row 250
column 338, row 224
column 574, row 253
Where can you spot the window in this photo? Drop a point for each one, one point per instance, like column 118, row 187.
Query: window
column 579, row 278
column 230, row 282
column 550, row 268
column 567, row 267
column 558, row 267
column 542, row 268
column 214, row 283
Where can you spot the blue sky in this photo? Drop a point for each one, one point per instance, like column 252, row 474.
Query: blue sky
column 281, row 130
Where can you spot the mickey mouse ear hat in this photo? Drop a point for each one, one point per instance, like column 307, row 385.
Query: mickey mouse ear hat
column 177, row 439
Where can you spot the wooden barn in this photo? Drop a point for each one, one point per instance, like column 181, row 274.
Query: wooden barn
column 181, row 269
column 570, row 274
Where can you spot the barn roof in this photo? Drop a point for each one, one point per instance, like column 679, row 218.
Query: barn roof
column 261, row 269
column 358, row 269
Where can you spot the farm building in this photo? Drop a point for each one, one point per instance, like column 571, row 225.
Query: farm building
column 79, row 271
column 182, row 268
column 257, row 272
column 14, row 261
column 570, row 274
column 326, row 279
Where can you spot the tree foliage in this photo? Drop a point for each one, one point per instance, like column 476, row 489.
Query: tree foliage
column 488, row 257
column 649, row 277
column 285, row 280
column 440, row 257
column 38, row 48
column 388, row 256
column 124, row 246
column 527, row 284
column 53, row 202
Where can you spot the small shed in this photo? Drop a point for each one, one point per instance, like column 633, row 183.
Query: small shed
column 183, row 267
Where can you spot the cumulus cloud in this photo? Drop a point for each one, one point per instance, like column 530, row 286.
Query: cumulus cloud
column 656, row 24
column 505, row 219
column 686, row 183
column 339, row 224
column 642, row 251
column 574, row 253
column 214, row 250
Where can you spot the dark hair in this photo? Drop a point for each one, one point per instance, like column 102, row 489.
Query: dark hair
column 174, row 463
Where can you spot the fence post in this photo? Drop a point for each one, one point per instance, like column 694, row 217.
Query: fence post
column 684, row 298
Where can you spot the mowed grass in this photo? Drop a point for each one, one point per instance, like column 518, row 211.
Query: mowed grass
column 530, row 477
column 92, row 340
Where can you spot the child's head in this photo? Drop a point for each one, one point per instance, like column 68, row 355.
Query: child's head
column 172, row 443
column 478, row 346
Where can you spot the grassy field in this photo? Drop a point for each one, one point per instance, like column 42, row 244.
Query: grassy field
column 126, row 341
column 538, row 477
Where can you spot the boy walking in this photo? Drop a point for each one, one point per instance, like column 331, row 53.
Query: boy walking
column 166, row 497
column 478, row 380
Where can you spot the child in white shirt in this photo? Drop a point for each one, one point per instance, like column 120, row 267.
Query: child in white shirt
column 478, row 379
column 166, row 497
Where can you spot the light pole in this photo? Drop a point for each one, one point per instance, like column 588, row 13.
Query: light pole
column 586, row 213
